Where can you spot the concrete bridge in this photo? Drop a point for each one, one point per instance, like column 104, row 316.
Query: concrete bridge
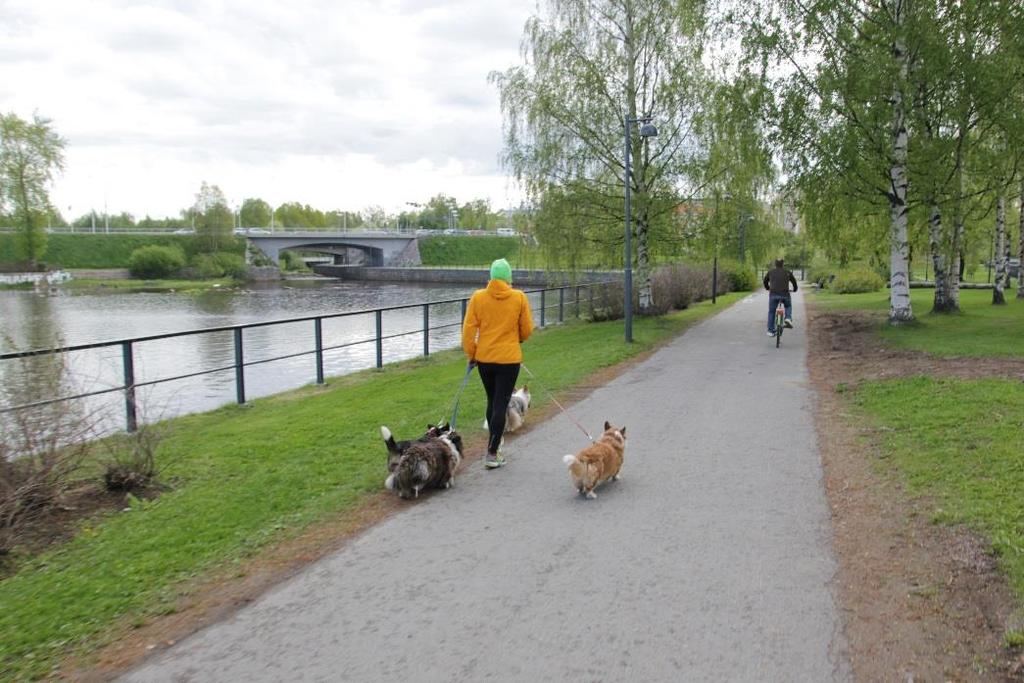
column 380, row 248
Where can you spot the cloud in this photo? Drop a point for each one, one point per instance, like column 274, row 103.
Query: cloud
column 290, row 98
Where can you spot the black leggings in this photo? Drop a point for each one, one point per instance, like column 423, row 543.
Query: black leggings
column 499, row 382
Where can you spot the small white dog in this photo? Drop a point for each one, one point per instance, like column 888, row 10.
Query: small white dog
column 515, row 415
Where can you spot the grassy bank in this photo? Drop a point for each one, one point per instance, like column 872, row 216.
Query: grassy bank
column 455, row 250
column 958, row 444
column 961, row 445
column 245, row 477
column 88, row 284
column 980, row 329
column 87, row 250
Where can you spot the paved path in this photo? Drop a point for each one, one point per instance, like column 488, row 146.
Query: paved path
column 709, row 561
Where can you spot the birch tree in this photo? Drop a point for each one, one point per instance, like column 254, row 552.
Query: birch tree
column 844, row 107
column 588, row 67
column 30, row 153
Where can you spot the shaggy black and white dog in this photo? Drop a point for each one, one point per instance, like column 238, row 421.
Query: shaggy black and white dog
column 429, row 461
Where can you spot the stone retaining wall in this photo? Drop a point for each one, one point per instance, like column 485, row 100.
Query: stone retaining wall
column 477, row 276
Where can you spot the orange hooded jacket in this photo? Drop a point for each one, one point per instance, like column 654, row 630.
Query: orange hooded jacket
column 497, row 320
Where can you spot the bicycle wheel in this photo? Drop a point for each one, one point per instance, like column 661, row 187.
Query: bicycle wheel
column 779, row 324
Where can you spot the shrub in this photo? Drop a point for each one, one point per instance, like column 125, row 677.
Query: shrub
column 231, row 265
column 220, row 264
column 679, row 285
column 857, row 281
column 155, row 262
column 741, row 278
column 292, row 261
column 606, row 301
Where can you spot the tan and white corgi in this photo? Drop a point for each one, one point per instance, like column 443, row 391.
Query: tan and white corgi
column 598, row 462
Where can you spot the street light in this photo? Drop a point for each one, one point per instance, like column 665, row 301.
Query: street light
column 647, row 130
column 743, row 251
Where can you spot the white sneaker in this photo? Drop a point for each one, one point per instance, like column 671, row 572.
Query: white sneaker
column 789, row 323
column 770, row 333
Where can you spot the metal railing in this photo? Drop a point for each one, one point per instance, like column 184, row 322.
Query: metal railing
column 130, row 385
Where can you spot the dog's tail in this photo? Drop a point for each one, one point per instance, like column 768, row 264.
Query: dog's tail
column 577, row 468
column 389, row 440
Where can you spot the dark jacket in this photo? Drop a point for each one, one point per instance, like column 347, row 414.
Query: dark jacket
column 777, row 281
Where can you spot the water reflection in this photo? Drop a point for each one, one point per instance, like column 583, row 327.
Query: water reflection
column 32, row 321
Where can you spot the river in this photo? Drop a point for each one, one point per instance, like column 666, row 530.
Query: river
column 30, row 320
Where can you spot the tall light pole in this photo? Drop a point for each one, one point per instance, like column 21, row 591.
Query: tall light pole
column 647, row 130
column 743, row 252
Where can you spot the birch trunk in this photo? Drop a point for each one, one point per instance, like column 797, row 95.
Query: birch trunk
column 1020, row 247
column 940, row 302
column 953, row 293
column 1000, row 252
column 899, row 282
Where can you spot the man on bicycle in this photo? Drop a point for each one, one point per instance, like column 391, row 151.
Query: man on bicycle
column 777, row 281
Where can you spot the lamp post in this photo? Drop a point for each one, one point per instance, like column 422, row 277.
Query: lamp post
column 743, row 251
column 647, row 130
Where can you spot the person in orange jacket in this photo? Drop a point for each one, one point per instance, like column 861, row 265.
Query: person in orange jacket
column 497, row 321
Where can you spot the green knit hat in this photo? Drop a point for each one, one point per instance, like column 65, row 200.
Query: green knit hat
column 501, row 270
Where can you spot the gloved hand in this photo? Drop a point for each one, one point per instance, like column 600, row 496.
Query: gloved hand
column 470, row 365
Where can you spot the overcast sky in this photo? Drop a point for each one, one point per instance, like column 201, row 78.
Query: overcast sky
column 340, row 104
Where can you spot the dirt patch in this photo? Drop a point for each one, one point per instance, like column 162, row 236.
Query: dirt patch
column 59, row 522
column 920, row 601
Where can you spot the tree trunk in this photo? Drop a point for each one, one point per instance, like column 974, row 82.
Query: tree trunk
column 1020, row 248
column 1000, row 252
column 900, row 310
column 957, row 272
column 940, row 302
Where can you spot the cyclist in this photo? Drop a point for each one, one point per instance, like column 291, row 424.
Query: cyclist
column 777, row 282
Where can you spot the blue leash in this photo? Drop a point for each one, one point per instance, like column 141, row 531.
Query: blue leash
column 458, row 396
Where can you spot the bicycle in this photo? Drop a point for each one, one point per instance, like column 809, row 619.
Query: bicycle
column 780, row 321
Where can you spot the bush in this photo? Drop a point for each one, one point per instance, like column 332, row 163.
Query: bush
column 221, row 264
column 155, row 262
column 231, row 265
column 605, row 302
column 857, row 281
column 741, row 278
column 679, row 285
column 292, row 262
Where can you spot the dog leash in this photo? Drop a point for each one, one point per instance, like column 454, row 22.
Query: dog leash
column 458, row 395
column 533, row 378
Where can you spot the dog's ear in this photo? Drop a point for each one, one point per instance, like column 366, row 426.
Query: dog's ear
column 623, row 432
column 607, row 425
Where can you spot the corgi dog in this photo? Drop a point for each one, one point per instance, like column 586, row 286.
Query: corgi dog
column 515, row 414
column 598, row 462
column 430, row 461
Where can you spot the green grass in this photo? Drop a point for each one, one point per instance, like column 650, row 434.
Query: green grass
column 979, row 330
column 959, row 444
column 148, row 285
column 457, row 250
column 87, row 250
column 245, row 477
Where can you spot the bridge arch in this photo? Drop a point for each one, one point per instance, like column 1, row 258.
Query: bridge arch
column 380, row 249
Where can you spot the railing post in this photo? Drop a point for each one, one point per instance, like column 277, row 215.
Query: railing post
column 561, row 305
column 319, row 333
column 129, row 386
column 426, row 329
column 590, row 295
column 239, row 368
column 543, row 306
column 378, row 316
